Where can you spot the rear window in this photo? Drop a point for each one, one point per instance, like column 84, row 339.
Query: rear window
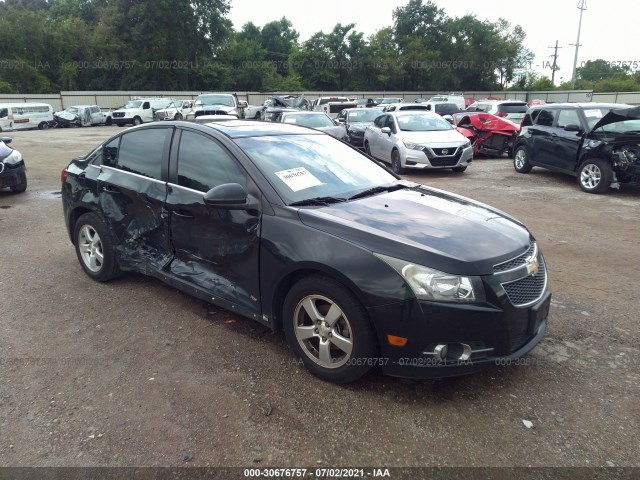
column 512, row 108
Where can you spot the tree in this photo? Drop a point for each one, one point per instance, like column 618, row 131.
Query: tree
column 594, row 70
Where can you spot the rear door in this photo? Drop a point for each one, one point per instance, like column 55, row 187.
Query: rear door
column 215, row 249
column 132, row 192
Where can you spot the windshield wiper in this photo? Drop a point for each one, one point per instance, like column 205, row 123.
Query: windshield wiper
column 318, row 201
column 379, row 189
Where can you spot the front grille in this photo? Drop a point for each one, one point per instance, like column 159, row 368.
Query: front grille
column 528, row 289
column 515, row 262
column 441, row 152
column 444, row 162
column 118, row 114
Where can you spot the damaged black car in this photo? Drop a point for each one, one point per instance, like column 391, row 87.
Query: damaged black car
column 305, row 234
column 13, row 172
column 599, row 144
column 273, row 107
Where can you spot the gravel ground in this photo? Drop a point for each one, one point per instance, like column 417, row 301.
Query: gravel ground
column 135, row 373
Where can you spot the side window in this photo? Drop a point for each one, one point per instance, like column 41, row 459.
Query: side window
column 146, row 105
column 141, row 152
column 545, row 118
column 568, row 117
column 110, row 153
column 390, row 123
column 4, row 112
column 95, row 109
column 203, row 164
column 379, row 122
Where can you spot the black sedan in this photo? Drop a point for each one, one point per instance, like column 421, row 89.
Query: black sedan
column 303, row 233
column 356, row 121
column 13, row 172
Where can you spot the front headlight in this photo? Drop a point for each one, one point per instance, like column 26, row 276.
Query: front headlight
column 412, row 146
column 13, row 159
column 437, row 286
column 466, row 144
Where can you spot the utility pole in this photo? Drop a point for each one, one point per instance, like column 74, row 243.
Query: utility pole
column 582, row 6
column 554, row 67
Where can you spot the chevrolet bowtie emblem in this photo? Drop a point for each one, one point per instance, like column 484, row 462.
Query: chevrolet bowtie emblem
column 532, row 266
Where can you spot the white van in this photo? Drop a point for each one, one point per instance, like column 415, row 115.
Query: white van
column 139, row 111
column 25, row 116
column 457, row 99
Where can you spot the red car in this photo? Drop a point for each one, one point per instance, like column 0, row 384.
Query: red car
column 489, row 134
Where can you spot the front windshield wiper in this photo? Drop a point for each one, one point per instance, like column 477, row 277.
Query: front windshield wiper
column 318, row 201
column 379, row 189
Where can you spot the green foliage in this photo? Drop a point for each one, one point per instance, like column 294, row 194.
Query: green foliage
column 52, row 45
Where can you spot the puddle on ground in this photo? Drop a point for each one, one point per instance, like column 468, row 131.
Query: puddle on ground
column 4, row 207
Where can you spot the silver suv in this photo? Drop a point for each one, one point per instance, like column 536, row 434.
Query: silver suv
column 513, row 110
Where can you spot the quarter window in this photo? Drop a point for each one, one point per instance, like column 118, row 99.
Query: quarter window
column 110, row 153
column 545, row 118
column 203, row 164
column 141, row 152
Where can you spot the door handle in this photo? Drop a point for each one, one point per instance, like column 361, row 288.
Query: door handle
column 182, row 213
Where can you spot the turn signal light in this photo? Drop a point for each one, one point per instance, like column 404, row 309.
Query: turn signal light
column 397, row 341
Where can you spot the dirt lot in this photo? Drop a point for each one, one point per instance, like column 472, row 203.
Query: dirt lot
column 135, row 373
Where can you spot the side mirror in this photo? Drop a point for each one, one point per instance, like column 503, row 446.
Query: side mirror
column 6, row 140
column 338, row 120
column 572, row 128
column 231, row 196
column 386, row 130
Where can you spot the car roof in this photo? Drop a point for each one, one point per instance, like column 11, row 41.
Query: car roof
column 581, row 105
column 245, row 128
column 400, row 113
column 500, row 101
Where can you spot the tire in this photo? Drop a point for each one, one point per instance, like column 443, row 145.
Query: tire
column 367, row 149
column 521, row 160
column 43, row 126
column 177, row 116
column 109, row 122
column 595, row 176
column 137, row 121
column 459, row 169
column 396, row 164
column 257, row 116
column 94, row 248
column 21, row 187
column 338, row 350
column 120, row 124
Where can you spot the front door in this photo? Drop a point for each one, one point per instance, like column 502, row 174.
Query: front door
column 215, row 249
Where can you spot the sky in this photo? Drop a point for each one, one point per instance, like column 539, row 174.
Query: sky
column 607, row 33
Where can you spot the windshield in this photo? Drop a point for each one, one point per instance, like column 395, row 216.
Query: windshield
column 175, row 104
column 309, row 120
column 301, row 167
column 513, row 108
column 417, row 122
column 367, row 115
column 134, row 104
column 386, row 101
column 226, row 100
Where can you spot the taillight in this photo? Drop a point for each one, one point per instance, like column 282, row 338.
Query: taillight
column 63, row 175
column 501, row 114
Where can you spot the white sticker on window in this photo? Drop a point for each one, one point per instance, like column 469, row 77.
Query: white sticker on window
column 593, row 113
column 298, row 178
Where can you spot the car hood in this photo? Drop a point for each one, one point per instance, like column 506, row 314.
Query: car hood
column 292, row 102
column 358, row 125
column 436, row 137
column 618, row 115
column 426, row 226
column 216, row 108
column 67, row 116
column 4, row 151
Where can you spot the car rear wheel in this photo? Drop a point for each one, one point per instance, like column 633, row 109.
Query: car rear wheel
column 94, row 248
column 327, row 327
column 137, row 121
column 521, row 160
column 396, row 164
column 178, row 116
column 594, row 176
column 43, row 126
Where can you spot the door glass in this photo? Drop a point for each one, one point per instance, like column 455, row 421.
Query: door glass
column 568, row 117
column 203, row 164
column 110, row 154
column 545, row 118
column 141, row 152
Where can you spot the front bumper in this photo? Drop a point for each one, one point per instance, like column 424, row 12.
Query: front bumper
column 435, row 158
column 12, row 175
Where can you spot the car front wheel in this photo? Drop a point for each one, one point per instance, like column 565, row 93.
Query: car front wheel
column 521, row 160
column 328, row 329
column 94, row 248
column 396, row 164
column 595, row 176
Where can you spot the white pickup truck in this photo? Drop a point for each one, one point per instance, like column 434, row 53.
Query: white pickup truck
column 218, row 104
column 332, row 106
